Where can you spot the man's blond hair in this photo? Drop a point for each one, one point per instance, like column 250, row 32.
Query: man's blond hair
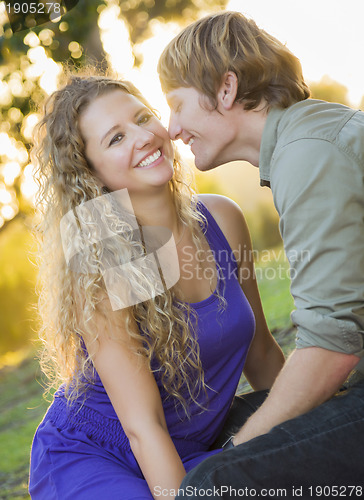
column 207, row 49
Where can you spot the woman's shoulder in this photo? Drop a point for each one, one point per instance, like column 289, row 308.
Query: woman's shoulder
column 219, row 205
column 224, row 210
column 229, row 217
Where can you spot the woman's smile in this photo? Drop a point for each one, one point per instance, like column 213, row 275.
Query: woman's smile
column 126, row 138
column 151, row 160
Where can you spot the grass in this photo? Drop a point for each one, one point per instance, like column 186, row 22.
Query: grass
column 22, row 408
column 272, row 271
column 22, row 405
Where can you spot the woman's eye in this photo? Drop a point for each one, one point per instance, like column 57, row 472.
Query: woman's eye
column 117, row 138
column 145, row 118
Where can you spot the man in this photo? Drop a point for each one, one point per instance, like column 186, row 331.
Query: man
column 237, row 93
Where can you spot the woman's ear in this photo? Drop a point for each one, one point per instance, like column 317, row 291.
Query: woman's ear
column 226, row 94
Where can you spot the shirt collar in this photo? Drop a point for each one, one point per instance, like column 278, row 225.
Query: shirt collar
column 268, row 144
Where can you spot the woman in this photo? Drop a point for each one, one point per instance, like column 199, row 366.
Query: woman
column 147, row 384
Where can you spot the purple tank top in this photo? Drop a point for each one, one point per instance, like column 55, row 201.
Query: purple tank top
column 224, row 336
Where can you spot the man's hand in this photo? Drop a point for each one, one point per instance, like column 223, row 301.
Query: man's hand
column 309, row 377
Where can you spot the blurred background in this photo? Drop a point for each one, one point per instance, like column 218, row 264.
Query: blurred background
column 128, row 36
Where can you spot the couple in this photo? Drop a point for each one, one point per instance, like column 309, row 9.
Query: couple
column 148, row 385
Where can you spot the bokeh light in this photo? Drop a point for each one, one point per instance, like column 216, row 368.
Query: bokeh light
column 114, row 35
column 318, row 34
column 28, row 185
column 278, row 18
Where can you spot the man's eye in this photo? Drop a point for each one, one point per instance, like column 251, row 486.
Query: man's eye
column 117, row 138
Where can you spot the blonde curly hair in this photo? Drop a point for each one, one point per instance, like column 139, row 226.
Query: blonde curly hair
column 68, row 300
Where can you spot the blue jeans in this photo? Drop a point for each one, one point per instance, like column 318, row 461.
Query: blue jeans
column 317, row 455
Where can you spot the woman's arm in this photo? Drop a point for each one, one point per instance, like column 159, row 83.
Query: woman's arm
column 265, row 358
column 135, row 397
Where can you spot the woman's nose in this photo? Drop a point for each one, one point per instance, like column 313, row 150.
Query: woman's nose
column 143, row 137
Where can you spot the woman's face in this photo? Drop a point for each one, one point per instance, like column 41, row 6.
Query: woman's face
column 126, row 144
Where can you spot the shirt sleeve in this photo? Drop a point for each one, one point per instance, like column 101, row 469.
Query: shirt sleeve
column 318, row 192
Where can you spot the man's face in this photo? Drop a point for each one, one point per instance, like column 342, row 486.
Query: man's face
column 207, row 130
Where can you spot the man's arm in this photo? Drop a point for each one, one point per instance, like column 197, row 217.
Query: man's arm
column 320, row 224
column 309, row 377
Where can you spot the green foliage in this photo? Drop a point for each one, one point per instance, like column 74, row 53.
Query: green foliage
column 263, row 225
column 139, row 13
column 329, row 90
column 206, row 182
column 17, row 282
column 75, row 25
column 75, row 39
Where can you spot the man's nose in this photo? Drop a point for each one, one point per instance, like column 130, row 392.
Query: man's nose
column 174, row 129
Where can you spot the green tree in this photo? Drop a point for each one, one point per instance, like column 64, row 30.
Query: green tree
column 73, row 37
column 264, row 226
column 328, row 89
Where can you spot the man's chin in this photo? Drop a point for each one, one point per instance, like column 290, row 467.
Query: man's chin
column 204, row 165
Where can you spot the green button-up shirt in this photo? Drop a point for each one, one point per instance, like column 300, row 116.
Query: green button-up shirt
column 312, row 156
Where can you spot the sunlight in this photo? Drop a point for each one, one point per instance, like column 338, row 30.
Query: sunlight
column 3, row 17
column 31, row 39
column 9, row 203
column 15, row 115
column 12, row 149
column 114, row 34
column 115, row 39
column 10, row 172
column 44, row 68
column 28, row 125
column 48, row 80
column 8, row 212
column 7, row 146
column 5, row 196
column 15, row 84
column 5, row 94
column 13, row 358
column 317, row 34
column 28, row 186
column 146, row 78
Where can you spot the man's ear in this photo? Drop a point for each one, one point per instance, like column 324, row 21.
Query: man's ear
column 228, row 89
